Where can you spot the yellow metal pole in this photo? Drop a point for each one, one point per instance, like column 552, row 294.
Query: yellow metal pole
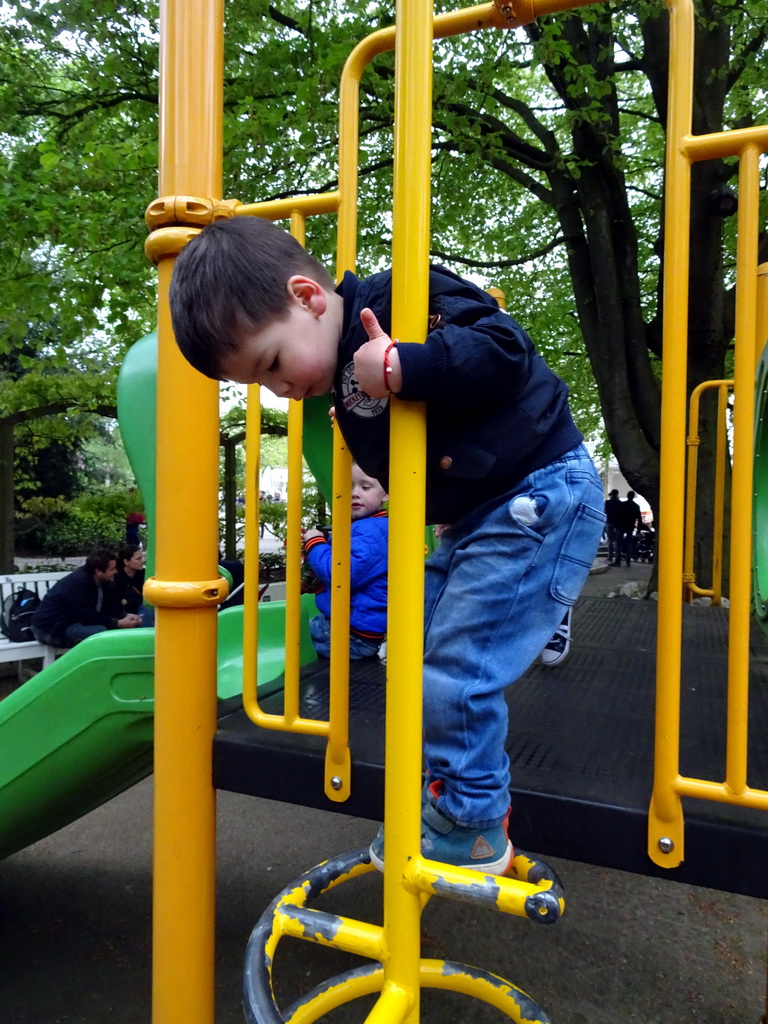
column 665, row 838
column 338, row 763
column 410, row 300
column 761, row 318
column 690, row 587
column 719, row 510
column 187, row 533
column 251, row 574
column 743, row 449
column 293, row 530
column 692, row 443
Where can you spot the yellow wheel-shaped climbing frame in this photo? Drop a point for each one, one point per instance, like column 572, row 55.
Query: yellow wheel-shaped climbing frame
column 289, row 914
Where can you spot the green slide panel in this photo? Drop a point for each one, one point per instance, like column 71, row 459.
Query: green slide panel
column 75, row 735
column 81, row 731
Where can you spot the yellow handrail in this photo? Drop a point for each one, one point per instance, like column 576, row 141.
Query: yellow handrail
column 692, row 441
column 190, row 166
column 665, row 824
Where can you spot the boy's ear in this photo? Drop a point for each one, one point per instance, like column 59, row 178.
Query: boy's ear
column 308, row 293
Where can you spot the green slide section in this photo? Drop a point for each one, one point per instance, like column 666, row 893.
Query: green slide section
column 81, row 731
column 318, row 444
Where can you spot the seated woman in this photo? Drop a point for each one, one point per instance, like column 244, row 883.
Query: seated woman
column 129, row 582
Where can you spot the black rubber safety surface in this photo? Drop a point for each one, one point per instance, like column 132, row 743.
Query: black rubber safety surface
column 580, row 745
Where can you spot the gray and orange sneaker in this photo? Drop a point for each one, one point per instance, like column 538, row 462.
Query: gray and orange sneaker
column 479, row 849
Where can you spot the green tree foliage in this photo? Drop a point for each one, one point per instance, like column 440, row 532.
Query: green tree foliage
column 45, row 406
column 93, row 519
column 547, row 174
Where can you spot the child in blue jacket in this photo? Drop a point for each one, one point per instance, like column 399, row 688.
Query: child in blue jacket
column 368, row 572
column 505, row 467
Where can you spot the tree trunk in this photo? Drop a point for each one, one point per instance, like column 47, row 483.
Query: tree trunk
column 6, row 496
column 596, row 218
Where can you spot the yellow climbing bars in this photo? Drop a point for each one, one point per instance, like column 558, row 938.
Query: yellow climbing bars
column 535, row 893
column 692, row 441
column 665, row 829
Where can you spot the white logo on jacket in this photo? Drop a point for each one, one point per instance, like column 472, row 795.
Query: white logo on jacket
column 355, row 399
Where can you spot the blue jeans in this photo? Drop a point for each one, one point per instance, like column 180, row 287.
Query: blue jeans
column 359, row 647
column 76, row 632
column 147, row 614
column 496, row 590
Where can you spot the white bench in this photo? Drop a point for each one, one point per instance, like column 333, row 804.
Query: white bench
column 27, row 650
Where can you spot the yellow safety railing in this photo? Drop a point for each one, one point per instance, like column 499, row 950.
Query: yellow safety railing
column 693, row 440
column 666, row 825
column 336, row 729
column 761, row 314
column 187, row 588
column 344, row 202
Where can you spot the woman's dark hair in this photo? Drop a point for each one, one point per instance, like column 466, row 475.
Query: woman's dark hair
column 233, row 277
column 126, row 552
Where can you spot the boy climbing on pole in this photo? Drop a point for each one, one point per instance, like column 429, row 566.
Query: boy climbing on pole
column 506, row 468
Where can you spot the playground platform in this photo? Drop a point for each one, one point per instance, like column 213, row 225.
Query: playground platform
column 76, row 920
column 580, row 745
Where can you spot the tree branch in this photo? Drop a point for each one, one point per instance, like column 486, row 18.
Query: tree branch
column 500, row 264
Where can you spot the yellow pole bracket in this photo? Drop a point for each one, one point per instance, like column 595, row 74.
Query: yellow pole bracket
column 185, row 593
column 175, row 220
column 168, row 242
column 193, row 210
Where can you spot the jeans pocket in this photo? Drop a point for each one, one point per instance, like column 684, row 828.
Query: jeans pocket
column 577, row 554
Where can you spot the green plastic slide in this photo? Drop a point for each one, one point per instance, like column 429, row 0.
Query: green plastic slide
column 81, row 731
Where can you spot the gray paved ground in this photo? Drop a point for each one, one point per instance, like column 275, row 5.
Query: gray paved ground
column 75, row 925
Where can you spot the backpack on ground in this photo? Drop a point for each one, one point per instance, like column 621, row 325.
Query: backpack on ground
column 16, row 617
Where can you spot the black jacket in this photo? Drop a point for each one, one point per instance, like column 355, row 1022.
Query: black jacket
column 495, row 411
column 125, row 593
column 613, row 511
column 74, row 599
column 630, row 516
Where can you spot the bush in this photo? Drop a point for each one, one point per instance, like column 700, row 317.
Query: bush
column 91, row 520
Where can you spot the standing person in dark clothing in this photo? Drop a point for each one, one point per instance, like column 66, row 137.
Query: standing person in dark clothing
column 630, row 519
column 81, row 604
column 613, row 527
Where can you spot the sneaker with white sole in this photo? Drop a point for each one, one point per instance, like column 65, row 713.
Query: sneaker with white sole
column 480, row 849
column 558, row 647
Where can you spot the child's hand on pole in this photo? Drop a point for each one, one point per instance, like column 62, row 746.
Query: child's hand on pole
column 377, row 364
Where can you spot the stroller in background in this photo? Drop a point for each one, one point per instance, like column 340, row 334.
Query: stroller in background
column 645, row 544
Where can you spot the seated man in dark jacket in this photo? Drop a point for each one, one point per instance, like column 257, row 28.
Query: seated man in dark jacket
column 81, row 604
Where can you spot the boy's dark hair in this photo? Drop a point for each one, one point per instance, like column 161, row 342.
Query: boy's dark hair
column 100, row 560
column 230, row 278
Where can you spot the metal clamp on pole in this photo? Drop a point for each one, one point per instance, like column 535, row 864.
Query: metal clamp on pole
column 185, row 593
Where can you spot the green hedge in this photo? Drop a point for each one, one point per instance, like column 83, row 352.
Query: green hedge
column 92, row 520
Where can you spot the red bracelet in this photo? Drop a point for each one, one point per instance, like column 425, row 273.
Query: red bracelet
column 387, row 367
